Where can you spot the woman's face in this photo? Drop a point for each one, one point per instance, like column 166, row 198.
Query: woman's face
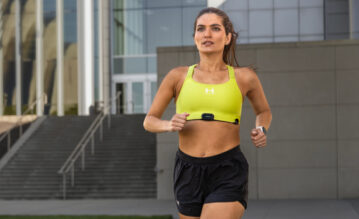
column 210, row 35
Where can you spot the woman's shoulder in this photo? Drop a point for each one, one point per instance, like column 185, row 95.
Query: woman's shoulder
column 178, row 72
column 245, row 72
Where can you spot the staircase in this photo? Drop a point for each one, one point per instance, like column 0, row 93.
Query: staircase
column 14, row 136
column 122, row 167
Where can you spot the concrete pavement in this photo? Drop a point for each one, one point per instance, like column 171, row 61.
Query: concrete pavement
column 257, row 209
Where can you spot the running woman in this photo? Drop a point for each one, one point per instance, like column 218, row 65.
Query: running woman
column 211, row 173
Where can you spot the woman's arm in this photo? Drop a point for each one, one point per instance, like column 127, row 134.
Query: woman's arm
column 166, row 91
column 260, row 106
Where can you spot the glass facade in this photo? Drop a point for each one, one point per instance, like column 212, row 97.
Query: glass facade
column 260, row 21
column 50, row 50
column 70, row 57
column 28, row 54
column 8, row 49
column 141, row 26
column 138, row 28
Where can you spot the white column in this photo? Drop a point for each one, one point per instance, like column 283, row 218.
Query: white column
column 60, row 56
column 100, row 49
column 112, row 94
column 1, row 64
column 106, row 51
column 39, row 57
column 18, row 56
column 85, row 55
column 80, row 61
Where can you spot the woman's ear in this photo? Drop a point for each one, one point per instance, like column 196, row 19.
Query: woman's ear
column 228, row 38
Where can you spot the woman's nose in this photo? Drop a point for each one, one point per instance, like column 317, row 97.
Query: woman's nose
column 207, row 33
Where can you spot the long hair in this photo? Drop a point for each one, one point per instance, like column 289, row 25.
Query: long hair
column 229, row 53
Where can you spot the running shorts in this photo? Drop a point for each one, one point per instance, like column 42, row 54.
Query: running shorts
column 219, row 178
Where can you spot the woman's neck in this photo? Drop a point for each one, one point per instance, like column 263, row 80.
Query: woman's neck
column 211, row 63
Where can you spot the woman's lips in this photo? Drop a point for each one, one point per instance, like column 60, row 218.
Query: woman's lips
column 207, row 43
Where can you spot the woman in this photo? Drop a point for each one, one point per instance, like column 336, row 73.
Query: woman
column 211, row 172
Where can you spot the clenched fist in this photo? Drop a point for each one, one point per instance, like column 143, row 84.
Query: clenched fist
column 259, row 139
column 177, row 122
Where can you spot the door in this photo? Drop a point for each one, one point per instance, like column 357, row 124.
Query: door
column 135, row 93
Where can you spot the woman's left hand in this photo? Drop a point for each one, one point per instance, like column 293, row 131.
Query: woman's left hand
column 259, row 139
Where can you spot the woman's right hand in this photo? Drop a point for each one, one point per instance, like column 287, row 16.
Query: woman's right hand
column 177, row 122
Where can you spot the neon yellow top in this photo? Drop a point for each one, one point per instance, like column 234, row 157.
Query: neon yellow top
column 222, row 102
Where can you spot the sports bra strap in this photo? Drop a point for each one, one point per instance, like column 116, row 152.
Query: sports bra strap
column 190, row 71
column 231, row 72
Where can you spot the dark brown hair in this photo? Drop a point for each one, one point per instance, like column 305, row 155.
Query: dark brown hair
column 229, row 53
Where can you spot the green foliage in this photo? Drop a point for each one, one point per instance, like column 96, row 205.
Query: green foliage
column 71, row 110
column 10, row 110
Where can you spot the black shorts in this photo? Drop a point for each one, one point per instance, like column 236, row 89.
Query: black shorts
column 218, row 178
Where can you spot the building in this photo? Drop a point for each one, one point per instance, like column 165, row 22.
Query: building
column 120, row 38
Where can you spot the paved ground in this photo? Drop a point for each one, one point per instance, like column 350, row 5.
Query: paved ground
column 8, row 122
column 264, row 209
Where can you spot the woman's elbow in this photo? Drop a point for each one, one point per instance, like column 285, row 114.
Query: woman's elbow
column 145, row 123
column 269, row 115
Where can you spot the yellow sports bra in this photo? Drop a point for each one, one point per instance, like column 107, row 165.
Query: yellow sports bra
column 221, row 102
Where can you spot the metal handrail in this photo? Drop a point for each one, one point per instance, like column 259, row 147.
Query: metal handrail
column 31, row 107
column 80, row 148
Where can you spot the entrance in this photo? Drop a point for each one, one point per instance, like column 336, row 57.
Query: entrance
column 136, row 93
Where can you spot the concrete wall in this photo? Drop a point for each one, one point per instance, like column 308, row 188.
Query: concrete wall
column 313, row 148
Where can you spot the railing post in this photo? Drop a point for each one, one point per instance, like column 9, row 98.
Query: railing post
column 83, row 159
column 101, row 130
column 8, row 140
column 73, row 173
column 64, row 186
column 109, row 120
column 93, row 143
column 118, row 108
column 117, row 99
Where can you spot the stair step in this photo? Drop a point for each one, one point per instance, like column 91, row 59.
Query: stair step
column 123, row 165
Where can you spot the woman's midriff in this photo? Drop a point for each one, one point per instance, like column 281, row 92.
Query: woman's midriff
column 201, row 138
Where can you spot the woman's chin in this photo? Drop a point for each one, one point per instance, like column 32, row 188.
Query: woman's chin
column 210, row 51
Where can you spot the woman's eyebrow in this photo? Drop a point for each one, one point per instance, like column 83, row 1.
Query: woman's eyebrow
column 212, row 25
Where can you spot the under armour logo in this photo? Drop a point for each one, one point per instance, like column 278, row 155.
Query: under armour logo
column 209, row 91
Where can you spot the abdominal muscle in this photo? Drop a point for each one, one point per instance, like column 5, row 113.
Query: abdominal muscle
column 200, row 138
